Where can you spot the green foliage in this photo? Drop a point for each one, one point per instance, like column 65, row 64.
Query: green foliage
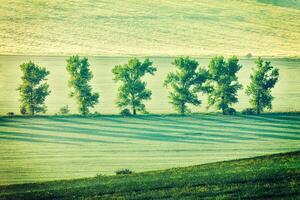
column 125, row 112
column 249, row 55
column 223, row 84
column 186, row 82
column 23, row 110
column 10, row 114
column 229, row 111
column 263, row 79
column 132, row 91
column 248, row 111
column 123, row 172
column 34, row 89
column 80, row 75
column 64, row 110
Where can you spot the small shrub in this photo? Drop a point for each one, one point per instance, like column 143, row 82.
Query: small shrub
column 64, row 110
column 125, row 112
column 249, row 111
column 100, row 175
column 123, row 171
column 10, row 114
column 23, row 110
column 248, row 56
column 229, row 111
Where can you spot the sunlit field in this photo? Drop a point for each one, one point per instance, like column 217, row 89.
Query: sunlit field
column 163, row 28
column 286, row 91
column 52, row 148
column 122, row 127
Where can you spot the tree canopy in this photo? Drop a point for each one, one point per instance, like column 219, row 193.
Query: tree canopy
column 185, row 83
column 223, row 84
column 33, row 89
column 263, row 79
column 133, row 92
column 80, row 75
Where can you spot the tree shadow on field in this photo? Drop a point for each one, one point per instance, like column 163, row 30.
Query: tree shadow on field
column 47, row 138
column 106, row 133
column 224, row 136
column 224, row 126
column 25, row 138
column 160, row 131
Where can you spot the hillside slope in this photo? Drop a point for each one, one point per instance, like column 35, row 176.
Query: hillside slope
column 128, row 27
column 46, row 148
column 267, row 177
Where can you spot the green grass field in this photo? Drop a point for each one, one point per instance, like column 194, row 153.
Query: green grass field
column 266, row 177
column 57, row 147
column 128, row 27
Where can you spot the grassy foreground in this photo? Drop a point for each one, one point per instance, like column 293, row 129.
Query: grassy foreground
column 267, row 177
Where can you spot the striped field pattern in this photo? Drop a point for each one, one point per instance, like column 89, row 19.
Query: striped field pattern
column 63, row 147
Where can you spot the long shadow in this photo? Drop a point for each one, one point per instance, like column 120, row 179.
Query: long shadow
column 154, row 134
column 30, row 140
column 222, row 127
column 237, row 125
column 109, row 133
column 270, row 120
column 58, row 139
column 185, row 132
column 241, row 119
column 203, row 131
column 283, row 116
column 159, row 136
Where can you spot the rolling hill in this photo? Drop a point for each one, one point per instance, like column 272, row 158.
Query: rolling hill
column 158, row 28
column 44, row 148
column 267, row 177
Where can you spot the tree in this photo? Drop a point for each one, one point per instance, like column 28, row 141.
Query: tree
column 132, row 91
column 34, row 89
column 263, row 79
column 248, row 55
column 186, row 82
column 80, row 75
column 223, row 83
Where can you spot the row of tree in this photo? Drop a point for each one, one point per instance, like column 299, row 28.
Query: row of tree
column 218, row 81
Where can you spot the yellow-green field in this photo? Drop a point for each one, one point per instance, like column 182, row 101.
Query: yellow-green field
column 51, row 147
column 168, row 27
column 57, row 147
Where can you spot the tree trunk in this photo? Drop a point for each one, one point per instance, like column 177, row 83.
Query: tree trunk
column 133, row 111
column 258, row 104
column 182, row 111
column 31, row 103
column 223, row 107
column 132, row 104
column 257, row 108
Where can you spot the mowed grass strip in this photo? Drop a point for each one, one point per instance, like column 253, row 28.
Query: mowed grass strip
column 267, row 177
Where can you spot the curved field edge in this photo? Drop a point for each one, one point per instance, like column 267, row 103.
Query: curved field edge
column 274, row 176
